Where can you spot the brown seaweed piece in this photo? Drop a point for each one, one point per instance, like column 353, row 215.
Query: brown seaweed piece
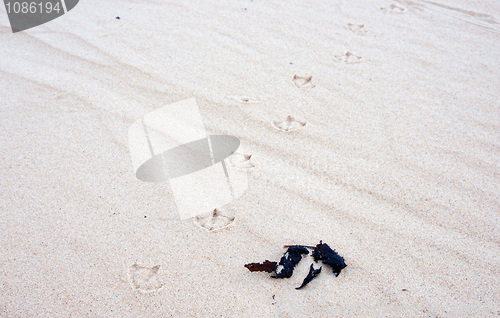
column 312, row 273
column 324, row 253
column 284, row 269
column 267, row 266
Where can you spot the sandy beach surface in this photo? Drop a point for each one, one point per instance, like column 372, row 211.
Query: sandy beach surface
column 372, row 125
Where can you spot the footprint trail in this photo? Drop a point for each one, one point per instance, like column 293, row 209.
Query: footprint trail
column 358, row 29
column 241, row 161
column 289, row 124
column 394, row 9
column 303, row 81
column 213, row 221
column 145, row 279
column 348, row 58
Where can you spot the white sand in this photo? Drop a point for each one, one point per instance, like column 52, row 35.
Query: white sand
column 397, row 167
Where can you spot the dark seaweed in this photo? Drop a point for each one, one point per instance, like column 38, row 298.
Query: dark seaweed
column 298, row 250
column 293, row 255
column 287, row 263
column 312, row 273
column 267, row 266
column 324, row 253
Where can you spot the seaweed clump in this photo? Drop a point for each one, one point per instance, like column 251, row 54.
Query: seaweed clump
column 323, row 252
column 287, row 263
column 293, row 255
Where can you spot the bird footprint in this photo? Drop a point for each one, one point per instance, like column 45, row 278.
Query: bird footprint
column 303, row 81
column 289, row 124
column 145, row 279
column 245, row 99
column 393, row 9
column 359, row 29
column 241, row 161
column 348, row 58
column 213, row 221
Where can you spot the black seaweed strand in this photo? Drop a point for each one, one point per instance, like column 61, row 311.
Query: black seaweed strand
column 312, row 273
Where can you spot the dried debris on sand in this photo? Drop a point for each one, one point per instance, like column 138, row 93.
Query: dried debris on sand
column 267, row 266
column 287, row 263
column 321, row 252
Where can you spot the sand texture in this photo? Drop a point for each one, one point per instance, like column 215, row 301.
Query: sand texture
column 371, row 125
